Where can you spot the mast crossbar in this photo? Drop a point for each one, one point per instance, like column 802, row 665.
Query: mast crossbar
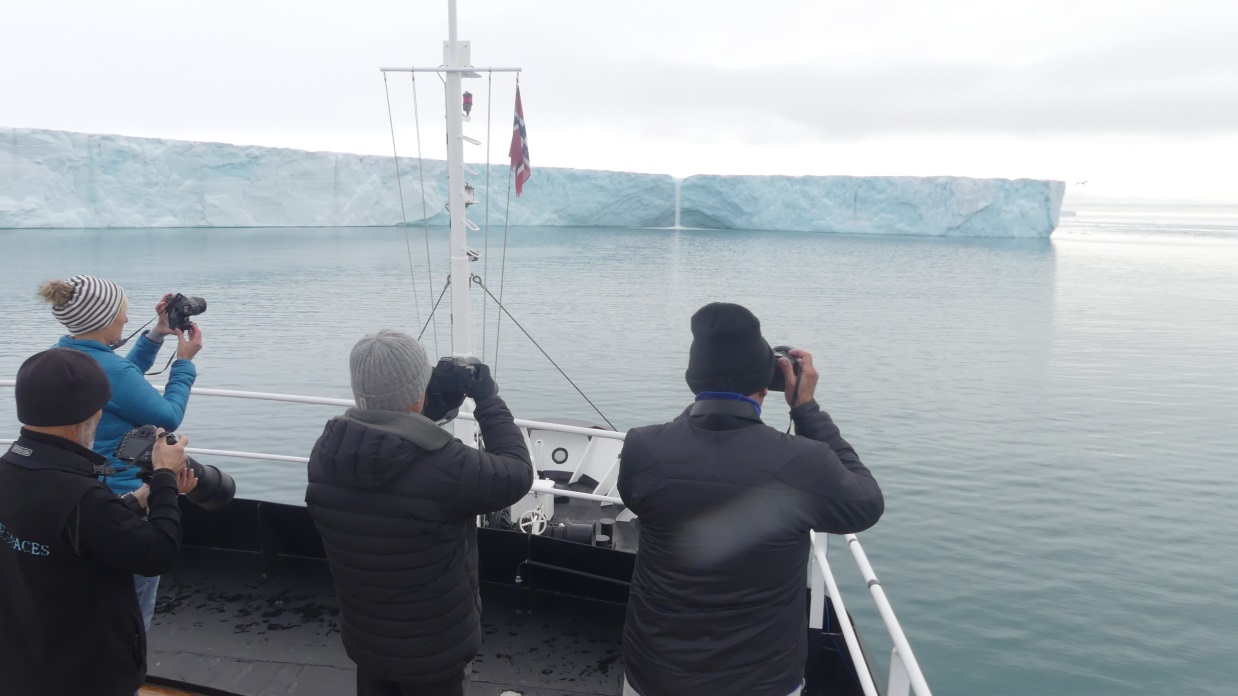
column 445, row 69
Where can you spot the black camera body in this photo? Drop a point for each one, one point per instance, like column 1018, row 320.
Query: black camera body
column 215, row 489
column 181, row 307
column 449, row 384
column 452, row 375
column 779, row 382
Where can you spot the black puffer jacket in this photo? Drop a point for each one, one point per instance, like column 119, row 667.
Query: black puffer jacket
column 395, row 499
column 725, row 504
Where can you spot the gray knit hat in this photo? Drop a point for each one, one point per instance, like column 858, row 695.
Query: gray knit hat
column 84, row 303
column 389, row 371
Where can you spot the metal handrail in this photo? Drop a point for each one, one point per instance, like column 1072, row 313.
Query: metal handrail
column 840, row 610
column 905, row 673
column 902, row 648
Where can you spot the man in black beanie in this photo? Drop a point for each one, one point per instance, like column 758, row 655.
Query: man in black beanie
column 68, row 546
column 717, row 603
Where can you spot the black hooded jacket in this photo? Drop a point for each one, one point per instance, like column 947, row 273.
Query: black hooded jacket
column 725, row 504
column 395, row 498
column 69, row 617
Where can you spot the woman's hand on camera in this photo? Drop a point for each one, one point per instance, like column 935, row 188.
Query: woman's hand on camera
column 807, row 378
column 186, row 480
column 162, row 328
column 142, row 495
column 188, row 342
column 171, row 457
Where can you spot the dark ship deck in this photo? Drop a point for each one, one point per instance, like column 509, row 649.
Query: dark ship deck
column 250, row 610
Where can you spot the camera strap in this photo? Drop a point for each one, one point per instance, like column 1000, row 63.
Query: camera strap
column 119, row 344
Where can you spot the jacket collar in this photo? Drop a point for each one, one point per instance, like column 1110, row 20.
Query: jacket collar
column 85, row 345
column 720, row 415
column 40, row 451
column 413, row 427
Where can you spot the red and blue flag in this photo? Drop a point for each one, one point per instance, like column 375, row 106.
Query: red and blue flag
column 519, row 151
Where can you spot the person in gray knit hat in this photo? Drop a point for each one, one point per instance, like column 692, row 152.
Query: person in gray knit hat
column 389, row 371
column 395, row 498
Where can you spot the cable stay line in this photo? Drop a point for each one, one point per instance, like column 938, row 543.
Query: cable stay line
column 433, row 310
column 498, row 323
column 486, row 254
column 395, row 155
column 425, row 216
column 474, row 278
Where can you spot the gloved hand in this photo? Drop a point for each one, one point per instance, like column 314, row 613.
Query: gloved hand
column 483, row 386
column 439, row 407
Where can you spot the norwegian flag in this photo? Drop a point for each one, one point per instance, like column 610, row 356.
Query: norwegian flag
column 519, row 151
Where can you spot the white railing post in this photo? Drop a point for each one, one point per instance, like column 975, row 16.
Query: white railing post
column 907, row 658
column 844, row 621
column 900, row 683
column 816, row 583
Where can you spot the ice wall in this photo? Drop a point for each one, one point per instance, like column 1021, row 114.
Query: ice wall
column 62, row 179
column 935, row 205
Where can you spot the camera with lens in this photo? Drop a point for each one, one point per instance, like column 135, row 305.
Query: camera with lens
column 215, row 489
column 181, row 307
column 779, row 382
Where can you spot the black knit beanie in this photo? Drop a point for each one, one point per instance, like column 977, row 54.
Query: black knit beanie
column 60, row 386
column 728, row 353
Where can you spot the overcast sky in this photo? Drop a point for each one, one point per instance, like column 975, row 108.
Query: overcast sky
column 1140, row 99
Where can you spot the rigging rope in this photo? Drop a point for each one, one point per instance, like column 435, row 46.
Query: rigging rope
column 478, row 281
column 498, row 323
column 503, row 266
column 425, row 217
column 433, row 310
column 400, row 186
column 486, row 261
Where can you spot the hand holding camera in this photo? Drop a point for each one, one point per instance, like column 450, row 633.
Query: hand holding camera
column 174, row 310
column 168, row 452
column 451, row 381
column 483, row 385
column 151, row 448
column 189, row 342
column 796, row 375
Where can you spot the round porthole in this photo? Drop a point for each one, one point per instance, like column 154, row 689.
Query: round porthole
column 559, row 455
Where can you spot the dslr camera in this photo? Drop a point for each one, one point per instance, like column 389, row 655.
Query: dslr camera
column 215, row 489
column 181, row 307
column 451, row 380
column 779, row 383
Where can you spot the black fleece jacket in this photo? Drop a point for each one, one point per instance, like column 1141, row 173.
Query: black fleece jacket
column 395, row 499
column 725, row 504
column 68, row 551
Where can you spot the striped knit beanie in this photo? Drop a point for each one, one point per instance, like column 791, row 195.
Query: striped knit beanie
column 84, row 303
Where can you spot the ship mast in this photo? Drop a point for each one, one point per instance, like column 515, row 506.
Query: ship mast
column 456, row 66
column 455, row 57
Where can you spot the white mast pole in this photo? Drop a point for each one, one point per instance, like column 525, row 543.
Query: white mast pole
column 454, row 56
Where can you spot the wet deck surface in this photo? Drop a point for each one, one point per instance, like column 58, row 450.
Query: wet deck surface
column 220, row 625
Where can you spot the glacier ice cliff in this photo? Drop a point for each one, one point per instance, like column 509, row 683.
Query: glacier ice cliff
column 58, row 179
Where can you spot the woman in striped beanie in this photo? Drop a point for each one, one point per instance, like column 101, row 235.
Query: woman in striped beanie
column 94, row 311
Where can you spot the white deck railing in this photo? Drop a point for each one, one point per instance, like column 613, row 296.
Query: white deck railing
column 905, row 675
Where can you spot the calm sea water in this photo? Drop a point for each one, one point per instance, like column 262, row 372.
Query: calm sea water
column 1052, row 421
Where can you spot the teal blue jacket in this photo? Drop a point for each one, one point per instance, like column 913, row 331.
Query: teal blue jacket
column 135, row 402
